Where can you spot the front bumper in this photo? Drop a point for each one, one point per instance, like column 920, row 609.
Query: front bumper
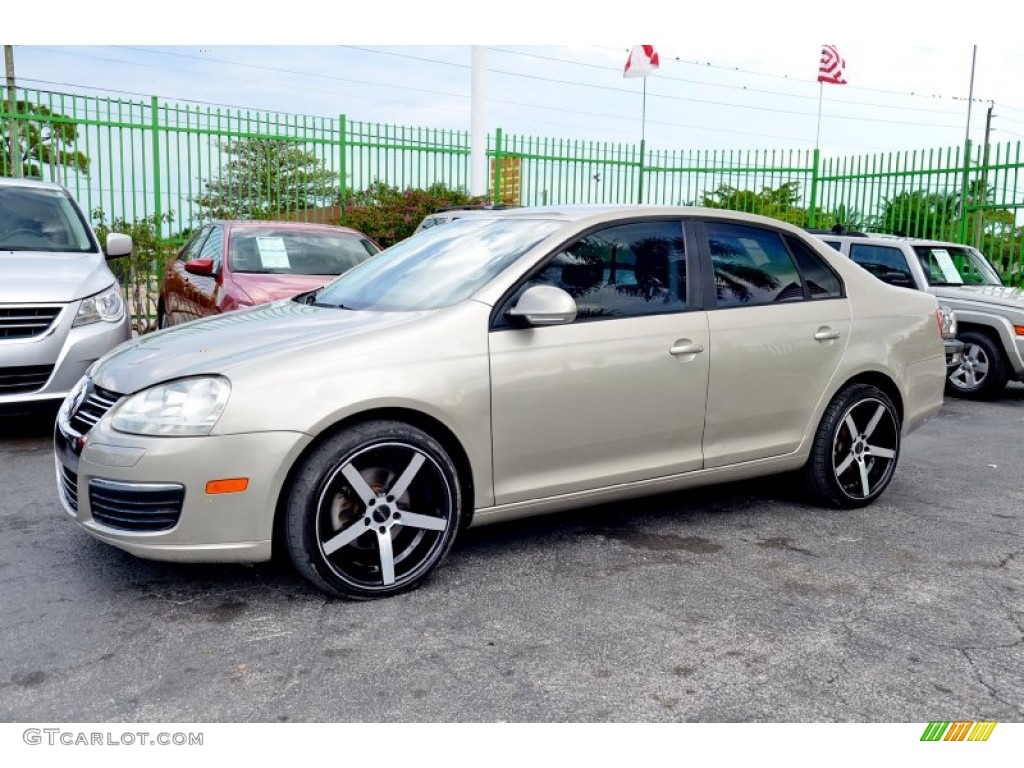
column 954, row 353
column 70, row 351
column 230, row 527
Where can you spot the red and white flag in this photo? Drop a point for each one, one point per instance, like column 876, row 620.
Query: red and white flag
column 642, row 61
column 832, row 65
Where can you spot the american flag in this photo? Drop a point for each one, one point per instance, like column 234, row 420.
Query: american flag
column 832, row 66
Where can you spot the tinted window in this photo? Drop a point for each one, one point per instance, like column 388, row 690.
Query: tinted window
column 820, row 280
column 834, row 244
column 212, row 247
column 194, row 246
column 623, row 271
column 752, row 266
column 884, row 262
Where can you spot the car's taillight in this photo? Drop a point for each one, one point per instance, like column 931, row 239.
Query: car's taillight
column 938, row 321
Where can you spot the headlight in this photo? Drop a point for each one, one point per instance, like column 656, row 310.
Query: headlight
column 183, row 407
column 107, row 306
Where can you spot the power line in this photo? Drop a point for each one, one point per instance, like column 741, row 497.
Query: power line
column 708, row 84
column 512, row 103
column 651, row 94
column 710, row 65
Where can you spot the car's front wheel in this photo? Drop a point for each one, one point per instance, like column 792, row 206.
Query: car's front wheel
column 373, row 510
column 982, row 373
column 855, row 449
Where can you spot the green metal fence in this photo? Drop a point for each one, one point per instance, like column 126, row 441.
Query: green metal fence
column 173, row 163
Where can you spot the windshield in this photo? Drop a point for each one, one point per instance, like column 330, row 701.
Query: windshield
column 40, row 219
column 956, row 265
column 293, row 251
column 437, row 268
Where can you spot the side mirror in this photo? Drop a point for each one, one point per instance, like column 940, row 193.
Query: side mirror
column 118, row 245
column 200, row 267
column 543, row 305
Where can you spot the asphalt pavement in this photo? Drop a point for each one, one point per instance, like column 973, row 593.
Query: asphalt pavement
column 730, row 603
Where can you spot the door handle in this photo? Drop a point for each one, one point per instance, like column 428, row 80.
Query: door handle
column 685, row 347
column 826, row 334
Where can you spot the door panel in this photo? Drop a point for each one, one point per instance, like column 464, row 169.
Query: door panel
column 767, row 374
column 587, row 405
column 777, row 338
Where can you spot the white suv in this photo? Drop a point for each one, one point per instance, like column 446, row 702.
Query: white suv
column 60, row 306
column 989, row 314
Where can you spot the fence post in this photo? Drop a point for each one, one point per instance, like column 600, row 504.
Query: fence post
column 640, row 174
column 157, row 204
column 496, row 175
column 343, row 159
column 962, row 229
column 813, row 206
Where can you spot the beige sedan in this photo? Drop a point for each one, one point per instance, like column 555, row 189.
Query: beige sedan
column 494, row 368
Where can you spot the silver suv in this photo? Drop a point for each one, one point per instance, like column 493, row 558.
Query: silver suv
column 60, row 306
column 989, row 314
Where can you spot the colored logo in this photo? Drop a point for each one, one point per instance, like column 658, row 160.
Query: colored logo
column 960, row 730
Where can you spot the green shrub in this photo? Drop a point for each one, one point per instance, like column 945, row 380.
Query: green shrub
column 388, row 214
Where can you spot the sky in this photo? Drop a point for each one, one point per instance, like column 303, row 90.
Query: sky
column 736, row 79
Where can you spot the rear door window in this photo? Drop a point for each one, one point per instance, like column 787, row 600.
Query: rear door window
column 884, row 262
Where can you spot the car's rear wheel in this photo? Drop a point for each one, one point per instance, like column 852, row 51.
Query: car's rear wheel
column 373, row 510
column 855, row 449
column 982, row 374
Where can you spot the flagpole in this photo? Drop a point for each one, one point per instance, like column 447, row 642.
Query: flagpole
column 643, row 137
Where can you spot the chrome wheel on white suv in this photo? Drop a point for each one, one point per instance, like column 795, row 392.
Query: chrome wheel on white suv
column 982, row 374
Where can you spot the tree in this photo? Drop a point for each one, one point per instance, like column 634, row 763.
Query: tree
column 45, row 138
column 780, row 203
column 919, row 213
column 140, row 272
column 265, row 178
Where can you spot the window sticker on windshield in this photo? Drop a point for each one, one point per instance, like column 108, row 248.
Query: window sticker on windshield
column 949, row 270
column 273, row 254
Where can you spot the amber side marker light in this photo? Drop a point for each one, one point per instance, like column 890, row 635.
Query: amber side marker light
column 1019, row 329
column 231, row 485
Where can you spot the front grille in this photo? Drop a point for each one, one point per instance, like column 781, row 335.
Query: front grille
column 24, row 379
column 26, row 322
column 136, row 506
column 69, row 487
column 96, row 403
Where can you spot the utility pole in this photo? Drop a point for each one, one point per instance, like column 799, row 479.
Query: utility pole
column 983, row 192
column 12, row 123
column 478, row 126
column 962, row 238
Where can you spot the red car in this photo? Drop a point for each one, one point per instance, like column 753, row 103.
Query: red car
column 232, row 264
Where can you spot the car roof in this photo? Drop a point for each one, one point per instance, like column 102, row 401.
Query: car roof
column 7, row 181
column 860, row 237
column 243, row 223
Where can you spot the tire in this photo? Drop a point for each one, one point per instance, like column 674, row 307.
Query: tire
column 373, row 510
column 855, row 449
column 983, row 374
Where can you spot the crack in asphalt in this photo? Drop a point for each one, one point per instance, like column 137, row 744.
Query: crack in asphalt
column 991, row 689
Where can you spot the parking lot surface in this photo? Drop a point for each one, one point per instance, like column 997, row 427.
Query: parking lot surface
column 730, row 603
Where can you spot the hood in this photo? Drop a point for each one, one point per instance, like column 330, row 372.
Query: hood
column 219, row 344
column 32, row 277
column 262, row 289
column 998, row 295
